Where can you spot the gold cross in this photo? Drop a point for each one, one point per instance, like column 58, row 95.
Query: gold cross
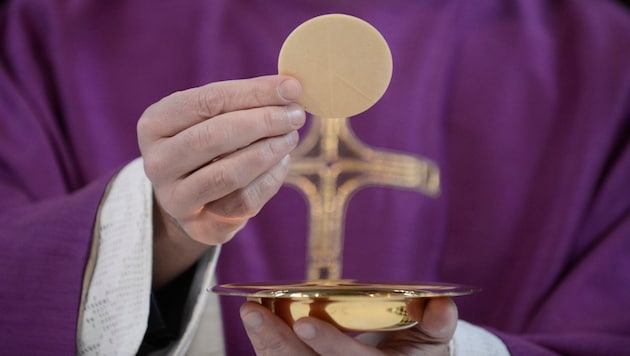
column 328, row 166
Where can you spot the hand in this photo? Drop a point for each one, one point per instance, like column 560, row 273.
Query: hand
column 215, row 155
column 437, row 319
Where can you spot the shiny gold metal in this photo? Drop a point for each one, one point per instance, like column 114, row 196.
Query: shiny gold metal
column 352, row 312
column 328, row 166
column 351, row 306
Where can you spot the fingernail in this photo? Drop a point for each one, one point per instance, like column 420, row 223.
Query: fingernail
column 292, row 137
column 289, row 89
column 305, row 331
column 296, row 115
column 252, row 320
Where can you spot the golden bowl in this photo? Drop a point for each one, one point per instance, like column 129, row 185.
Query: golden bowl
column 350, row 305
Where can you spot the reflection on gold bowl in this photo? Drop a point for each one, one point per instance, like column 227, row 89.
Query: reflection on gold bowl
column 349, row 305
column 347, row 310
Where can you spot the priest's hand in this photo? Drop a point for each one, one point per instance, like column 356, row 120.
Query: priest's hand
column 437, row 319
column 215, row 155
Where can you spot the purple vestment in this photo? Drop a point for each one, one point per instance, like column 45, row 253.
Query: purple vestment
column 524, row 105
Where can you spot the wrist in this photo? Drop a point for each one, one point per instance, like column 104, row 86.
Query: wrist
column 173, row 250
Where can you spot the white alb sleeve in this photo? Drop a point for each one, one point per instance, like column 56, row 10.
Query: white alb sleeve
column 471, row 340
column 117, row 284
column 468, row 340
column 117, row 292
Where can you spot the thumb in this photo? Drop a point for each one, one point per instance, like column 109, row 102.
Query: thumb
column 437, row 318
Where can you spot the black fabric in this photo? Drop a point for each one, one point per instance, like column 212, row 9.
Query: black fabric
column 165, row 315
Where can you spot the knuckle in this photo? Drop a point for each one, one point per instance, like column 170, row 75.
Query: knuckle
column 260, row 94
column 265, row 154
column 176, row 99
column 271, row 150
column 239, row 206
column 273, row 345
column 142, row 126
column 203, row 138
column 151, row 110
column 211, row 100
column 223, row 178
column 271, row 182
column 248, row 202
column 145, row 126
column 270, row 117
column 153, row 167
column 275, row 179
column 280, row 146
column 273, row 117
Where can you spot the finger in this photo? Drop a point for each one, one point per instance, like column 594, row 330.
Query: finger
column 200, row 144
column 268, row 334
column 233, row 172
column 437, row 318
column 325, row 339
column 184, row 109
column 247, row 202
column 228, row 215
column 372, row 338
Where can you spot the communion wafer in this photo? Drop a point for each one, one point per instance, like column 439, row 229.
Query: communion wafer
column 343, row 63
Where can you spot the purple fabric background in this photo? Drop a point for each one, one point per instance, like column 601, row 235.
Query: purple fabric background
column 523, row 104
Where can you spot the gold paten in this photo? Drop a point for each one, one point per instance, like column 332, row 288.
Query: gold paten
column 351, row 306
